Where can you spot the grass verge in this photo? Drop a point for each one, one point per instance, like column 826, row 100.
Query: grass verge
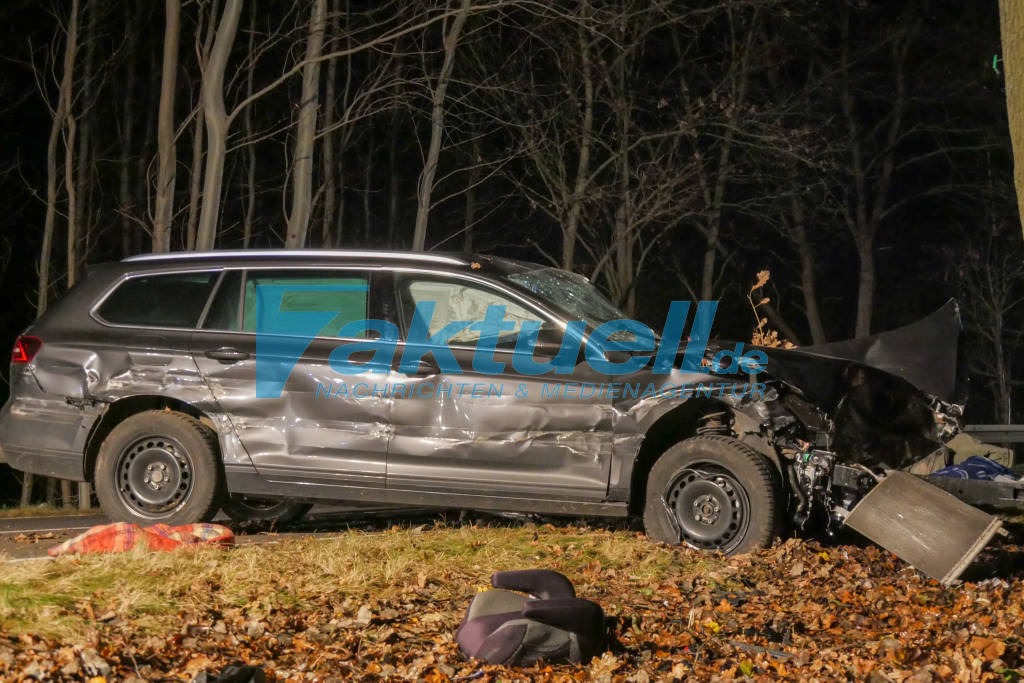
column 65, row 598
column 42, row 511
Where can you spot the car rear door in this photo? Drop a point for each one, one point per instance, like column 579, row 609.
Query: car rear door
column 264, row 348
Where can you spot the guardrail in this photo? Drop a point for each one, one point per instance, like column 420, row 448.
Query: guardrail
column 996, row 433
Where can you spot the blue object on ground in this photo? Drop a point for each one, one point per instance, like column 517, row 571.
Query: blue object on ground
column 976, row 467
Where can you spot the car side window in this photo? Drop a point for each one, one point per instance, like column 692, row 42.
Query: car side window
column 167, row 300
column 456, row 300
column 224, row 310
column 303, row 302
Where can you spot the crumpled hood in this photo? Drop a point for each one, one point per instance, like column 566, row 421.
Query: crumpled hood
column 923, row 353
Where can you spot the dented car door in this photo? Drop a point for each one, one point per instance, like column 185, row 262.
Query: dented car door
column 499, row 431
column 264, row 349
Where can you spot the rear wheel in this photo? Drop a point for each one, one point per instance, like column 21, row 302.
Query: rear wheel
column 245, row 509
column 712, row 493
column 158, row 466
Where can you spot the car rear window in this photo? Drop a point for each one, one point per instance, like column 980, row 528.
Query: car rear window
column 168, row 300
column 300, row 303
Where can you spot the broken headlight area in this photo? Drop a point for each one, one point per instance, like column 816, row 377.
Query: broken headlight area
column 849, row 424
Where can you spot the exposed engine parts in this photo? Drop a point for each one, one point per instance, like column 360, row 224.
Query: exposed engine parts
column 830, row 460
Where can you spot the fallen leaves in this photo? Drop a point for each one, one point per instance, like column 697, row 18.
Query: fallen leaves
column 990, row 648
column 796, row 611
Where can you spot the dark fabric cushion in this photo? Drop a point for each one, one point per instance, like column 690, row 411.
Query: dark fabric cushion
column 540, row 583
column 501, row 627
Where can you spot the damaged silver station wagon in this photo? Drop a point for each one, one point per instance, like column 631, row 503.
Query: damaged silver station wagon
column 154, row 380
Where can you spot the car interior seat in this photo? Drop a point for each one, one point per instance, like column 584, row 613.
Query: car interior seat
column 531, row 614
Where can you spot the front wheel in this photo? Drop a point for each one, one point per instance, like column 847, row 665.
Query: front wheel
column 712, row 493
column 247, row 509
column 159, row 466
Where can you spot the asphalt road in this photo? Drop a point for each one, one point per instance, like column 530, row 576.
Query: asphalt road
column 28, row 538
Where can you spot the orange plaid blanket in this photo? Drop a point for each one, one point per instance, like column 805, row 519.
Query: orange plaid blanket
column 121, row 536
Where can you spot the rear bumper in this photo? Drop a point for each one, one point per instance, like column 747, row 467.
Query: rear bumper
column 49, row 463
column 44, row 436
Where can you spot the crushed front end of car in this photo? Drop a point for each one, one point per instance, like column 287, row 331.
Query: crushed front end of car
column 840, row 419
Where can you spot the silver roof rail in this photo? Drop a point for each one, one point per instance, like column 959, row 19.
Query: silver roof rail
column 274, row 253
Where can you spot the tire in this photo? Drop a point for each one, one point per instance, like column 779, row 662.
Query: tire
column 159, row 466
column 246, row 509
column 713, row 493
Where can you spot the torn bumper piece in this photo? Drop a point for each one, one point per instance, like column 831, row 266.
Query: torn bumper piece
column 924, row 525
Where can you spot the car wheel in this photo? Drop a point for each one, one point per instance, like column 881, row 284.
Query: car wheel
column 245, row 509
column 713, row 493
column 159, row 467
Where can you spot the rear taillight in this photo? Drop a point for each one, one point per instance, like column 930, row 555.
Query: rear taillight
column 26, row 348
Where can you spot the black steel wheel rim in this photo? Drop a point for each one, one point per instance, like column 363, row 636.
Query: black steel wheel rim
column 154, row 476
column 710, row 507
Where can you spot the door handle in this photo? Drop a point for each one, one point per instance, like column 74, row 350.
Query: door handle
column 227, row 354
column 427, row 367
column 423, row 368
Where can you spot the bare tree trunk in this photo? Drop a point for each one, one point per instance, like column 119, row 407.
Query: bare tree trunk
column 571, row 229
column 393, row 183
column 426, row 181
column 739, row 94
column 1011, row 22
column 195, row 191
column 216, row 124
column 302, row 160
column 126, row 129
column 469, row 216
column 865, row 286
column 394, row 179
column 59, row 120
column 871, row 192
column 147, row 150
column 198, row 128
column 808, row 281
column 26, row 489
column 78, row 227
column 250, row 149
column 69, row 189
column 1003, row 391
column 165, row 175
column 625, row 292
column 327, row 143
column 367, row 180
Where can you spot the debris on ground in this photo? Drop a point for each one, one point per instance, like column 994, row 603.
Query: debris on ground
column 122, row 536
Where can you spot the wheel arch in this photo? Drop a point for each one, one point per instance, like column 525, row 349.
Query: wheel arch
column 124, row 408
column 673, row 426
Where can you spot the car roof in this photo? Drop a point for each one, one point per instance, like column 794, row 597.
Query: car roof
column 480, row 263
column 299, row 254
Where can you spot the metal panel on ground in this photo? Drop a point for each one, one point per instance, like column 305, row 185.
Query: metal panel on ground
column 924, row 525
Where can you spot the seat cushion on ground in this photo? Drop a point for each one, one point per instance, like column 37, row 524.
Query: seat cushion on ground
column 504, row 627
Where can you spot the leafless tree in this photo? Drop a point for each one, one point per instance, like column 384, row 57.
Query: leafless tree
column 872, row 160
column 167, row 159
column 302, row 158
column 439, row 89
column 217, row 123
